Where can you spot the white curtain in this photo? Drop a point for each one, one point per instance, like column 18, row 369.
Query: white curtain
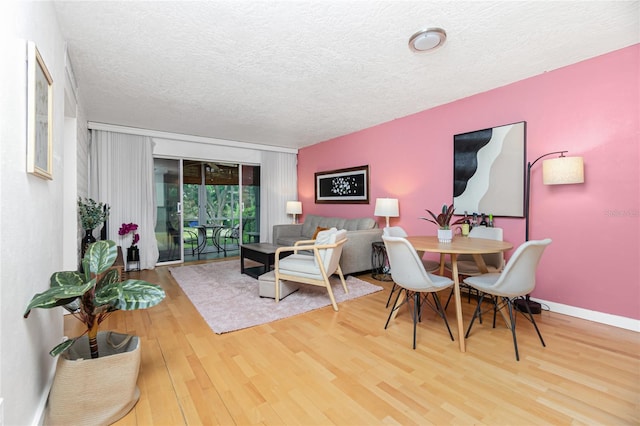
column 279, row 184
column 121, row 175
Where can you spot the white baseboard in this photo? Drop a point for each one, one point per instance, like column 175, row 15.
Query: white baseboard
column 38, row 418
column 595, row 316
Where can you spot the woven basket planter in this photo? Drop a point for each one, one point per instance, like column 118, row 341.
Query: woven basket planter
column 96, row 391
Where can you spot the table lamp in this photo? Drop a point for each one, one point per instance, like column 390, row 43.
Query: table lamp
column 387, row 207
column 294, row 208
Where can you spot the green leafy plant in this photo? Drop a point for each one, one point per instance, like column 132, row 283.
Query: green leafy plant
column 91, row 296
column 443, row 220
column 92, row 214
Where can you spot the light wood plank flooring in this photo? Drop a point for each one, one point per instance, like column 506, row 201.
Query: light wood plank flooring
column 344, row 368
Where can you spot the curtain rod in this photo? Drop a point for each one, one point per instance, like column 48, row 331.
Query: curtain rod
column 92, row 125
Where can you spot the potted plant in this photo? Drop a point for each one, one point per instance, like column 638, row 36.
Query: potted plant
column 133, row 254
column 93, row 368
column 92, row 215
column 443, row 220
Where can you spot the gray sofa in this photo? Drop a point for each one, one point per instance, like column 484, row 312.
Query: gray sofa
column 361, row 232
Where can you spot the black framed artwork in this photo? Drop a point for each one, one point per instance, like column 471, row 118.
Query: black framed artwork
column 349, row 186
column 489, row 170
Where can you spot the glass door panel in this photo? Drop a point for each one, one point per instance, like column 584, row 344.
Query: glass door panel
column 203, row 209
column 223, row 214
column 168, row 210
column 250, row 201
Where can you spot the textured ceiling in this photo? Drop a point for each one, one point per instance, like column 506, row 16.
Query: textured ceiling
column 294, row 73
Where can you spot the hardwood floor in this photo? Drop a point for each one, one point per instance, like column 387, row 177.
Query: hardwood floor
column 327, row 367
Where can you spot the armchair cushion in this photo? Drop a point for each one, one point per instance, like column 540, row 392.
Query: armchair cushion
column 330, row 236
column 300, row 264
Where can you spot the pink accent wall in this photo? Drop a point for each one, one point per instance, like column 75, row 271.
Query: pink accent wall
column 590, row 109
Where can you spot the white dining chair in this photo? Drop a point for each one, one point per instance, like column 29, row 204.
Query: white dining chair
column 407, row 271
column 467, row 266
column 516, row 281
column 429, row 265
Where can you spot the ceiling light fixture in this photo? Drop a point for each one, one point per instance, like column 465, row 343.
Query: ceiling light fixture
column 428, row 39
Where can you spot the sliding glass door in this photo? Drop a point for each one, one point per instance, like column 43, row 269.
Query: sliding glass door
column 168, row 209
column 205, row 209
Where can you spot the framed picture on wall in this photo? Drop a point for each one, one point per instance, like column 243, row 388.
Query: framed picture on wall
column 39, row 115
column 489, row 170
column 343, row 186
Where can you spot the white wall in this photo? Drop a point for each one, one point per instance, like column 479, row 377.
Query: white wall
column 37, row 216
column 31, row 214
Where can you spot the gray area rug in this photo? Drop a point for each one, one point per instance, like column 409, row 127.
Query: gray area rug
column 229, row 300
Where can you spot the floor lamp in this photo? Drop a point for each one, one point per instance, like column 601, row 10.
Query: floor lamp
column 557, row 171
column 387, row 207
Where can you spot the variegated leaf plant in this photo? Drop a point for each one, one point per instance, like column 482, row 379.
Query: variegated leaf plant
column 95, row 293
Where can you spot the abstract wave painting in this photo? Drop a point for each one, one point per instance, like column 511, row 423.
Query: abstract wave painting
column 489, row 171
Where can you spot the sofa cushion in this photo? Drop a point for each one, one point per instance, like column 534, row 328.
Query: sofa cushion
column 360, row 223
column 288, row 241
column 311, row 222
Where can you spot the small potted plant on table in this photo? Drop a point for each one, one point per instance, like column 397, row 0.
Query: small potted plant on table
column 96, row 374
column 133, row 253
column 443, row 220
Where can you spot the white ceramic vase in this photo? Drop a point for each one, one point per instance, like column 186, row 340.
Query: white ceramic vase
column 445, row 235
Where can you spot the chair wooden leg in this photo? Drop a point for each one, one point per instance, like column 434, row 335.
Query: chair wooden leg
column 277, row 288
column 332, row 297
column 327, row 285
column 344, row 283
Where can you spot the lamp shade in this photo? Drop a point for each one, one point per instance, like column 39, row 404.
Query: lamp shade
column 387, row 207
column 294, row 207
column 562, row 171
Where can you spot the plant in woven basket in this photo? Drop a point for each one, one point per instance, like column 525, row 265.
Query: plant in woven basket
column 91, row 296
column 443, row 220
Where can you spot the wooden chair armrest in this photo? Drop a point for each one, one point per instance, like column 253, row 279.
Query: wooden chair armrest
column 297, row 247
column 293, row 248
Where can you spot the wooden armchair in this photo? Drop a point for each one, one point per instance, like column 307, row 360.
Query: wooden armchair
column 315, row 269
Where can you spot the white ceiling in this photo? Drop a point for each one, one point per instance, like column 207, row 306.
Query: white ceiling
column 294, row 73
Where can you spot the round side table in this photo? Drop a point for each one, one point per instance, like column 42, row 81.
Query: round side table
column 380, row 269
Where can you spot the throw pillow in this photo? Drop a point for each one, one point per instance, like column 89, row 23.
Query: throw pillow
column 318, row 230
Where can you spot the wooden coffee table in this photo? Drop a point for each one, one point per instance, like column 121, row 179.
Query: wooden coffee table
column 263, row 253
